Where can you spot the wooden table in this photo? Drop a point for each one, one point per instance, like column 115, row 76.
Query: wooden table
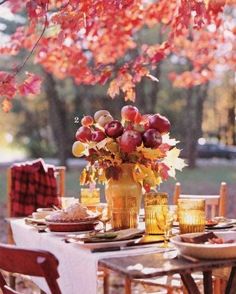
column 157, row 265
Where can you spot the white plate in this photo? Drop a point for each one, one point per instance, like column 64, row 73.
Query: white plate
column 208, row 251
column 101, row 244
column 223, row 224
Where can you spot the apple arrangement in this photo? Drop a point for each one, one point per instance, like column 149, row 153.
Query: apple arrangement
column 141, row 139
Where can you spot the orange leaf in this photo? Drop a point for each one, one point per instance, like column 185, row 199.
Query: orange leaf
column 113, row 89
column 6, row 105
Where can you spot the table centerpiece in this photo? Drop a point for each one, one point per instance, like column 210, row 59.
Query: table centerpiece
column 130, row 156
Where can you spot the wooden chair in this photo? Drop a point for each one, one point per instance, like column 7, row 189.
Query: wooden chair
column 60, row 176
column 216, row 205
column 36, row 263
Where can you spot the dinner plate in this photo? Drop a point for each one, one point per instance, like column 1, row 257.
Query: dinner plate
column 118, row 243
column 207, row 251
column 225, row 223
column 34, row 221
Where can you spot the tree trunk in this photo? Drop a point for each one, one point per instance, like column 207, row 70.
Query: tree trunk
column 194, row 113
column 231, row 129
column 57, row 118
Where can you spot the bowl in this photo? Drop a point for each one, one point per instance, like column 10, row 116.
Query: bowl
column 207, row 251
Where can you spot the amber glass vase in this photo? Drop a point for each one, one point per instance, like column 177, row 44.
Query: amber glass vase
column 123, row 199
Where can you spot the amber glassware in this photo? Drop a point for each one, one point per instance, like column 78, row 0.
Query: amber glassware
column 155, row 198
column 90, row 196
column 191, row 214
column 159, row 219
column 123, row 199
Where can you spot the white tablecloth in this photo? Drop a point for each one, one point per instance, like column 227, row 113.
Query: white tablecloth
column 77, row 266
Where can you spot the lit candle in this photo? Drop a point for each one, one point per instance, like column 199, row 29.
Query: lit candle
column 191, row 215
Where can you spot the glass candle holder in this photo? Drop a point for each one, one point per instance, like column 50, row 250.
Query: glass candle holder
column 191, row 214
column 155, row 198
column 90, row 196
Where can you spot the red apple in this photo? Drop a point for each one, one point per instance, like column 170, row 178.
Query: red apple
column 104, row 119
column 138, row 118
column 129, row 112
column 160, row 123
column 152, row 138
column 98, row 136
column 145, row 121
column 87, row 121
column 114, row 129
column 130, row 140
column 100, row 113
column 83, row 134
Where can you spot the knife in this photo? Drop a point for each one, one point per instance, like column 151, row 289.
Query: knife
column 117, row 248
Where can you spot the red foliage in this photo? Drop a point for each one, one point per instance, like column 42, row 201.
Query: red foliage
column 87, row 40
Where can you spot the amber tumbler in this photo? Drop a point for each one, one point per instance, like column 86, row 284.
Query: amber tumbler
column 191, row 214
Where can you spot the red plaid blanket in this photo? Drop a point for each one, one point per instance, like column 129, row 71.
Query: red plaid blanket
column 33, row 185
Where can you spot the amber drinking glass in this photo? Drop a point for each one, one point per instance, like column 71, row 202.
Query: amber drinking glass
column 159, row 219
column 155, row 198
column 191, row 214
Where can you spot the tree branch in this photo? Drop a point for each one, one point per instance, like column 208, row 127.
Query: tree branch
column 19, row 68
column 3, row 1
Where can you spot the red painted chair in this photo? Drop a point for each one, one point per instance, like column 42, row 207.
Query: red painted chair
column 36, row 263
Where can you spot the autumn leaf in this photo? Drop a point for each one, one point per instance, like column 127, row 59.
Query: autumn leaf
column 113, row 172
column 31, row 85
column 145, row 176
column 173, row 161
column 163, row 169
column 6, row 105
column 103, row 143
column 113, row 89
column 150, row 153
column 8, row 85
column 167, row 140
column 113, row 147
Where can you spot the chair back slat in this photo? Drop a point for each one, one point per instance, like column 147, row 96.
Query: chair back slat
column 29, row 262
column 60, row 175
column 215, row 204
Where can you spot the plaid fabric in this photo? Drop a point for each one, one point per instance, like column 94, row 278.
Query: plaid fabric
column 33, row 185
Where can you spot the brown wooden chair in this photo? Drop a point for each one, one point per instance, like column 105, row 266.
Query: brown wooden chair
column 36, row 263
column 216, row 205
column 60, row 176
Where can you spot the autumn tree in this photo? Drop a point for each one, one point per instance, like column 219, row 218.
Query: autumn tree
column 95, row 42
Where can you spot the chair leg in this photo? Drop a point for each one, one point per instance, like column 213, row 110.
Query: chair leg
column 217, row 286
column 128, row 286
column 106, row 282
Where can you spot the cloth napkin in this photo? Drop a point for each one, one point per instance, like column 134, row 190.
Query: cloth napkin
column 33, row 185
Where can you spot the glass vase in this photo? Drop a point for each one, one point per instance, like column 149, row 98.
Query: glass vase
column 123, row 199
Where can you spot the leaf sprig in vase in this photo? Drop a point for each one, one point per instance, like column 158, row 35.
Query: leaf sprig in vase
column 142, row 140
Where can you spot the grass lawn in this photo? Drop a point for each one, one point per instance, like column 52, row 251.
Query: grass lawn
column 203, row 180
